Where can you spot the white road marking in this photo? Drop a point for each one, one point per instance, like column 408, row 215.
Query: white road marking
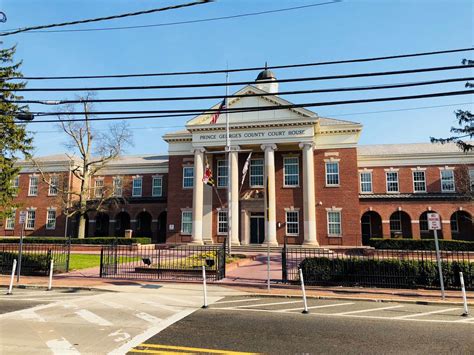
column 140, row 338
column 267, row 304
column 62, row 347
column 31, row 315
column 314, row 307
column 175, row 299
column 121, row 335
column 92, row 317
column 111, row 304
column 426, row 313
column 236, row 301
column 148, row 317
column 366, row 310
column 163, row 306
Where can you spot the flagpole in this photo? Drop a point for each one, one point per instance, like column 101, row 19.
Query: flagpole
column 227, row 148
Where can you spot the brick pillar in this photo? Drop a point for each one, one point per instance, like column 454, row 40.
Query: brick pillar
column 386, row 229
column 446, row 225
column 415, row 229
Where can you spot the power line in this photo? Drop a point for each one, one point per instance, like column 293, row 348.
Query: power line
column 173, row 7
column 184, row 113
column 287, row 66
column 208, row 97
column 239, row 83
column 330, row 114
column 193, row 21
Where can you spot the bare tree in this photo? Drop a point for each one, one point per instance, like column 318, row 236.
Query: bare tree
column 89, row 151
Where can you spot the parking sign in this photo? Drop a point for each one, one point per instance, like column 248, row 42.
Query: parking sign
column 434, row 222
column 22, row 217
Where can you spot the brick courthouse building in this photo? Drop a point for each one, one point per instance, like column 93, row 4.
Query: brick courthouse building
column 322, row 188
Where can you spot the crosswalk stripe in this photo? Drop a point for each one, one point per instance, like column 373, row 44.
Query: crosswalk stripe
column 92, row 317
column 148, row 317
column 268, row 304
column 425, row 313
column 314, row 307
column 366, row 310
column 61, row 347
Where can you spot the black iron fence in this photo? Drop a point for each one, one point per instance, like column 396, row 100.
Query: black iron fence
column 35, row 258
column 163, row 262
column 377, row 268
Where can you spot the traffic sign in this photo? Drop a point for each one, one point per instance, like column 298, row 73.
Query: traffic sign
column 434, row 222
column 22, row 217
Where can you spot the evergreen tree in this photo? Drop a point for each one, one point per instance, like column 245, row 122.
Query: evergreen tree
column 15, row 141
column 463, row 134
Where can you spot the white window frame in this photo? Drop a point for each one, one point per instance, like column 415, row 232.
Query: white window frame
column 252, row 173
column 158, row 186
column 329, row 212
column 222, row 221
column 222, row 173
column 29, row 213
column 117, row 186
column 137, row 188
column 33, row 188
column 328, row 174
column 10, row 221
column 397, row 181
column 293, row 174
column 293, row 224
column 424, row 222
column 51, row 223
column 369, row 173
column 456, row 223
column 188, row 178
column 441, row 180
column 99, row 187
column 414, row 172
column 397, row 220
column 53, row 185
column 16, row 184
column 190, row 223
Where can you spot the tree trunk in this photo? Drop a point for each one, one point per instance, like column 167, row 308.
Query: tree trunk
column 81, row 230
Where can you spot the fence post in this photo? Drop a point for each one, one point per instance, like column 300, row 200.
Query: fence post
column 204, row 286
column 68, row 257
column 305, row 310
column 101, row 262
column 12, row 277
column 464, row 298
column 51, row 270
column 284, row 270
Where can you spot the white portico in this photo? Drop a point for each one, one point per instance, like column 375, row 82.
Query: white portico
column 289, row 132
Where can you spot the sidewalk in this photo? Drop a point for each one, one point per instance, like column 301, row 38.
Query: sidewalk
column 250, row 275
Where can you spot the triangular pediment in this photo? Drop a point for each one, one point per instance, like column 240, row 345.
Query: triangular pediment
column 246, row 101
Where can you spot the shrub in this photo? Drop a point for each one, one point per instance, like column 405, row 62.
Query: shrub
column 422, row 244
column 92, row 240
column 385, row 272
column 31, row 264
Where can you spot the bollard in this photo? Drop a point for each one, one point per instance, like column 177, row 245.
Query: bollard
column 204, row 286
column 305, row 310
column 51, row 269
column 464, row 298
column 12, row 277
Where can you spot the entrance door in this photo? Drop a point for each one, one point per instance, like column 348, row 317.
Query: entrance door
column 257, row 228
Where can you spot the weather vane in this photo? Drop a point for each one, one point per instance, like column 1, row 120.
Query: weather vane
column 3, row 17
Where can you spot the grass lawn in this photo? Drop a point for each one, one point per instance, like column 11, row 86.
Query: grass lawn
column 84, row 261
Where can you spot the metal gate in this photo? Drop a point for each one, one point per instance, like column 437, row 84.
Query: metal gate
column 163, row 262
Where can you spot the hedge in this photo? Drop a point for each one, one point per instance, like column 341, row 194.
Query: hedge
column 421, row 244
column 385, row 272
column 31, row 264
column 94, row 240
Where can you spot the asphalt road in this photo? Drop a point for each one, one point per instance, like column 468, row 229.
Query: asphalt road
column 277, row 326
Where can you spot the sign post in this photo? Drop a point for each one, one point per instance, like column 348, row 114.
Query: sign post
column 22, row 221
column 434, row 224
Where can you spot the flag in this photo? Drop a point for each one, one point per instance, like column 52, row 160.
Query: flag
column 208, row 179
column 216, row 115
column 245, row 169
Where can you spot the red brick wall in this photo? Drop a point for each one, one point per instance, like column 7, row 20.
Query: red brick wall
column 178, row 197
column 346, row 196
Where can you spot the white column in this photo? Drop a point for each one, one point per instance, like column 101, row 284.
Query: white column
column 198, row 202
column 309, row 199
column 270, row 198
column 234, row 195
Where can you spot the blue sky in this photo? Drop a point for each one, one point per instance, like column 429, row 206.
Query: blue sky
column 347, row 29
